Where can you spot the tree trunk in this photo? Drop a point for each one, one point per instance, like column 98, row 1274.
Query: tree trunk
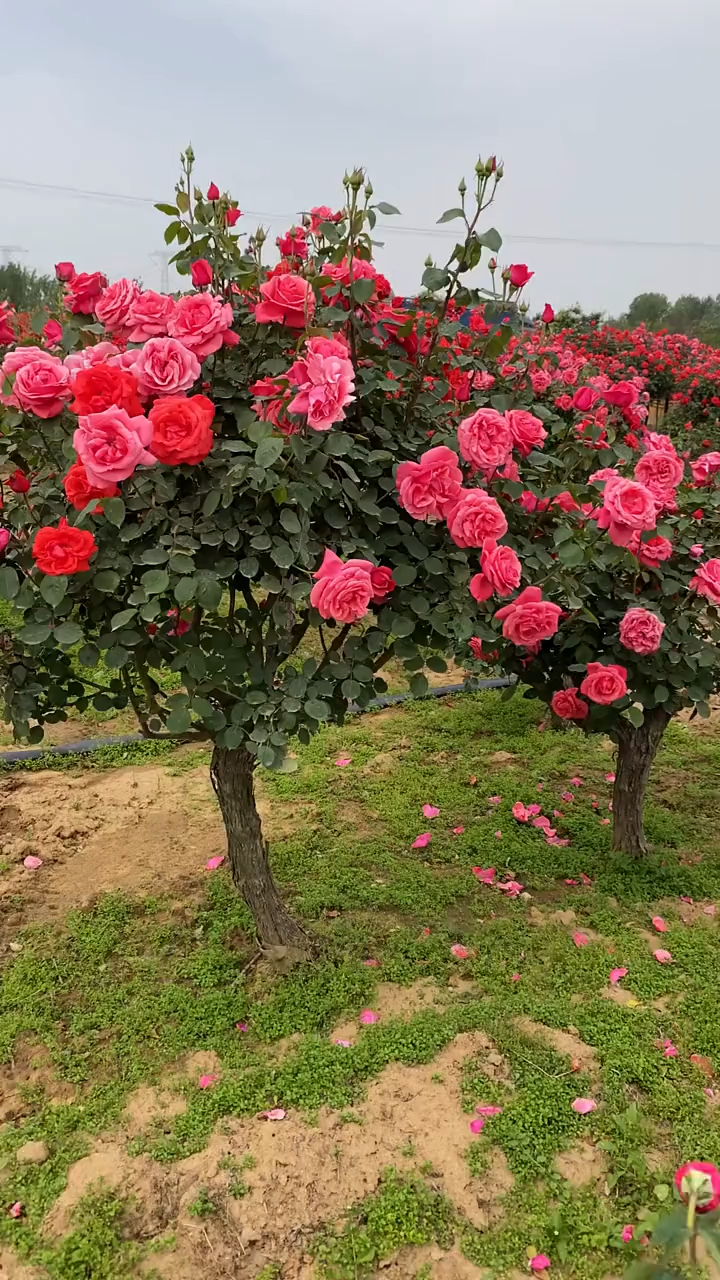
column 636, row 751
column 231, row 773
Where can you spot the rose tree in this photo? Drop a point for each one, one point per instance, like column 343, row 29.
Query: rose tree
column 202, row 491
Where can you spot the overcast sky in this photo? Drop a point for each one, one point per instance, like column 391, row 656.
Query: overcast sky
column 606, row 112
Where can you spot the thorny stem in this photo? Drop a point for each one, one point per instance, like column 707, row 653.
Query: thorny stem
column 337, row 644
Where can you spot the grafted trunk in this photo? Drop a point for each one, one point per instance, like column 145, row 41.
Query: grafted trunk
column 637, row 749
column 231, row 772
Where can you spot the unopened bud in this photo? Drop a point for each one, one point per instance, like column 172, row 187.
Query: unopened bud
column 492, row 264
column 499, row 172
column 260, row 235
column 490, row 166
column 368, row 189
column 462, row 186
column 523, row 308
column 428, row 262
column 190, row 154
column 346, row 180
column 480, row 167
column 356, row 179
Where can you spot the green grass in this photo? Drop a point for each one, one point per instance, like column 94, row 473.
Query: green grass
column 121, row 991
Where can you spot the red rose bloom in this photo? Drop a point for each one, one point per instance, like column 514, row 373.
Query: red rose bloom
column 79, row 491
column 18, row 482
column 568, row 705
column 382, row 583
column 83, row 292
column 64, row 549
column 181, row 429
column 103, row 385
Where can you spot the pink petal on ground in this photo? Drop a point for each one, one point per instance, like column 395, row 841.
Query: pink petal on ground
column 241, row 1026
column 477, row 1125
column 276, row 1113
column 539, row 786
column 566, row 795
column 660, row 925
column 16, row 1210
column 498, row 835
column 616, row 975
column 472, row 780
column 604, row 822
column 430, row 811
column 549, row 833
column 583, row 1106
column 709, row 911
column 426, row 932
column 485, row 875
column 420, row 841
column 515, row 977
column 663, row 957
column 581, row 939
column 709, row 1093
column 585, row 879
column 206, row 1082
column 609, row 777
column 542, row 821
column 458, row 831
column 368, row 1017
column 519, row 812
column 489, row 1111
column 459, row 951
column 684, row 898
column 576, row 782
column 540, row 1262
column 345, row 1043
column 494, row 799
column 512, row 888
column 572, row 882
column 342, row 762
column 560, row 844
column 32, row 863
column 557, row 814
column 627, row 1232
column 534, row 808
column 212, row 864
column 669, row 1050
column 371, row 964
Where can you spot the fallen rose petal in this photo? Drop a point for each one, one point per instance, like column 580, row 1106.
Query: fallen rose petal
column 472, row 780
column 709, row 911
column 429, row 811
column 206, row 1082
column 604, row 822
column 709, row 1093
column 458, row 831
column 459, row 951
column 566, row 795
column 660, row 925
column 542, row 821
column 575, row 1064
column 557, row 814
column 477, row 1125
column 494, row 799
column 342, row 762
column 575, row 882
column 539, row 786
column 16, row 1210
column 534, row 808
column 580, row 939
column 609, row 777
column 32, row 863
column 519, row 812
column 212, row 864
column 512, row 888
column 560, row 844
column 368, row 1017
column 371, row 964
column 549, row 833
column 684, row 898
column 422, row 840
column 703, row 1064
column 663, row 957
column 669, row 1050
column 498, row 835
column 276, row 1113
column 583, row 1106
column 539, row 1262
column 489, row 1111
column 616, row 975
column 576, row 782
column 627, row 1233
column 516, row 977
column 585, row 879
column 485, row 875
column 241, row 1026
column 594, row 805
column 345, row 1043
column 425, row 932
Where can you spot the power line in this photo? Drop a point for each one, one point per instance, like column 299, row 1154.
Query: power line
column 117, row 197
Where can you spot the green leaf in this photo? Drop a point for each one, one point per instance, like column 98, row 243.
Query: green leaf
column 116, row 657
column 435, row 278
column 171, row 231
column 155, row 581
column 404, row 574
column 120, row 620
column 283, row 554
column 35, row 633
column 212, row 502
column 289, row 520
column 249, row 566
column 184, row 590
column 114, row 510
column 350, row 689
column 450, row 214
column 385, row 208
column 69, row 633
column 571, row 554
column 635, row 716
column 107, row 580
column 491, row 239
column 419, row 686
column 268, row 451
column 169, row 209
column 9, row 582
column 209, row 593
column 89, row 655
column 53, row 589
column 362, row 290
column 179, row 720
column 318, row 710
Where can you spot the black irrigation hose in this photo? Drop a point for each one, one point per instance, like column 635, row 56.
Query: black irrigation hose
column 96, row 744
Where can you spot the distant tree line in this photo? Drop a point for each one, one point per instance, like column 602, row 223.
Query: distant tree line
column 26, row 289
column 695, row 317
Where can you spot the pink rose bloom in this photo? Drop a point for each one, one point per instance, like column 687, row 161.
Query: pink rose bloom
column 286, row 300
column 501, row 569
column 566, row 704
column 89, row 356
column 5, row 536
column 627, row 508
column 605, row 473
column 427, row 488
column 707, row 581
column 322, row 213
column 113, row 305
column 474, row 517
column 529, row 619
column 165, row 367
column 584, row 399
column 653, row 552
column 83, row 292
column 200, row 321
column 112, row 444
column 540, row 1262
column 627, row 1232
column 705, row 467
column 325, row 382
column 622, row 395
column 19, row 356
column 149, row 316
column 42, row 387
column 661, row 473
column 485, row 440
column 655, row 440
column 342, row 591
column 483, row 380
column 604, row 683
column 527, row 431
column 696, row 551
column 641, row 631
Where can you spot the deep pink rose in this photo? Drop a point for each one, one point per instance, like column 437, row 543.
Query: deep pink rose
column 52, row 332
column 15, row 359
column 165, row 367
column 112, row 444
column 149, row 316
column 325, row 381
column 480, row 587
column 707, row 581
column 427, row 488
column 655, row 440
column 641, row 631
column 622, row 395
column 651, row 553
column 702, row 1179
column 322, row 213
column 705, row 467
column 485, row 440
column 661, row 473
column 200, row 321
column 604, row 683
column 528, row 432
column 548, row 315
column 568, row 705
column 83, row 292
column 383, row 583
column 519, row 275
column 287, row 299
column 89, row 356
column 584, row 399
column 529, row 619
column 42, row 387
column 501, row 567
column 113, row 305
column 540, row 380
column 201, row 273
column 628, row 507
column 64, row 271
column 475, row 517
column 343, row 591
